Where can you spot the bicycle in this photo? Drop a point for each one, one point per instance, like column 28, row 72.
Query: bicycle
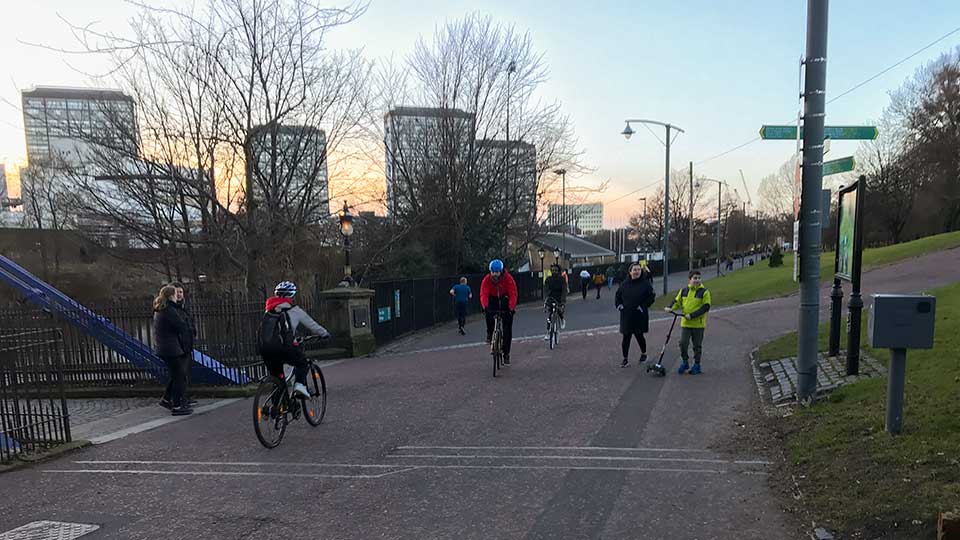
column 553, row 323
column 496, row 342
column 275, row 406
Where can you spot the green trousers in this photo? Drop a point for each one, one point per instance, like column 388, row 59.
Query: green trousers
column 697, row 335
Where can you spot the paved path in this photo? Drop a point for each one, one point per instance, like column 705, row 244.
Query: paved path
column 428, row 445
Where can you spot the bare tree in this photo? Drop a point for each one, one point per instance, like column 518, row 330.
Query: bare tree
column 240, row 106
column 777, row 190
column 455, row 175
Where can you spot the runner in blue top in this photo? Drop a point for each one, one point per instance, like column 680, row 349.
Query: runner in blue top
column 461, row 294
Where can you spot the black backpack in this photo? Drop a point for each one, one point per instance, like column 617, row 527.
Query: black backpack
column 276, row 334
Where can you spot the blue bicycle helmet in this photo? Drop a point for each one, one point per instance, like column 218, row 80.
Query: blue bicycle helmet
column 286, row 289
column 496, row 265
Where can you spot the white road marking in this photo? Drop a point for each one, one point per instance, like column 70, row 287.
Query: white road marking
column 234, row 463
column 225, row 473
column 146, row 426
column 609, row 448
column 577, row 458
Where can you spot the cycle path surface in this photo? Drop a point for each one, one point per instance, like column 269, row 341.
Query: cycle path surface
column 428, row 445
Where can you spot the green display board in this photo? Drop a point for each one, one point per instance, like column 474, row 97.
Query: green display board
column 846, row 225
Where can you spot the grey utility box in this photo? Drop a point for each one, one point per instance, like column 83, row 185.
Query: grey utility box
column 902, row 321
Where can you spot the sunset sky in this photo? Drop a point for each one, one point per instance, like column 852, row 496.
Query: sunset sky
column 719, row 70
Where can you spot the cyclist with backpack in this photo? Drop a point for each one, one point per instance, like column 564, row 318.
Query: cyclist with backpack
column 278, row 328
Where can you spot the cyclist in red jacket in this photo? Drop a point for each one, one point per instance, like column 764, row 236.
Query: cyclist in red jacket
column 498, row 294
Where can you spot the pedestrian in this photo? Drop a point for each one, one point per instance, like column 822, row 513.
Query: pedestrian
column 633, row 299
column 584, row 282
column 179, row 304
column 598, row 281
column 611, row 273
column 169, row 337
column 461, row 294
column 693, row 301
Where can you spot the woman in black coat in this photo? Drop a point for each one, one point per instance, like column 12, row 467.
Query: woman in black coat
column 171, row 336
column 633, row 299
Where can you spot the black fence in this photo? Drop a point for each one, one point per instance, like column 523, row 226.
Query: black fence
column 33, row 411
column 403, row 306
column 226, row 331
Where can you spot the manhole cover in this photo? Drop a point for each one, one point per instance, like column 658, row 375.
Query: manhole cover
column 49, row 530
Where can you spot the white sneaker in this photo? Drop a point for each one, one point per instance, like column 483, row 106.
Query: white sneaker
column 546, row 337
column 563, row 324
column 301, row 391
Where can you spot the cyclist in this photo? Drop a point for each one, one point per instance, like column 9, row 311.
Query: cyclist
column 281, row 320
column 498, row 294
column 555, row 289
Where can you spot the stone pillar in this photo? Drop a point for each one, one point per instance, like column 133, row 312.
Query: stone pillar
column 345, row 312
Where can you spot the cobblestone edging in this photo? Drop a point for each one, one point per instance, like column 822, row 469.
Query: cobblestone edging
column 776, row 380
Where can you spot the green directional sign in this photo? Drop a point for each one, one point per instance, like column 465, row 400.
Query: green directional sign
column 839, row 165
column 850, row 133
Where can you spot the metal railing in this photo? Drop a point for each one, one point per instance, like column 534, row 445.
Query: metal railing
column 33, row 411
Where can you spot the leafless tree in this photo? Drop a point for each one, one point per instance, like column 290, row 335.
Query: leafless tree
column 240, row 106
column 458, row 178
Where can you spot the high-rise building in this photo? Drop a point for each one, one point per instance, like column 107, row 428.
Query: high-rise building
column 421, row 142
column 291, row 170
column 3, row 184
column 583, row 218
column 63, row 122
column 514, row 165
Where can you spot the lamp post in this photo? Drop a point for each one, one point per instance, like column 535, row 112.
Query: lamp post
column 346, row 229
column 563, row 211
column 720, row 184
column 627, row 132
column 543, row 272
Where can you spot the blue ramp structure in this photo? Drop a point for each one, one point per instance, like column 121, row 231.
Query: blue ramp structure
column 206, row 370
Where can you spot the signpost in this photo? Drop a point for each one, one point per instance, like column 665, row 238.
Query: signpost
column 837, row 166
column 847, row 133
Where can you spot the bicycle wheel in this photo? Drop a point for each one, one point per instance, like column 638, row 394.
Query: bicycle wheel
column 315, row 407
column 495, row 349
column 553, row 332
column 269, row 415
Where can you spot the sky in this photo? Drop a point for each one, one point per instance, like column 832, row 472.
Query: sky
column 719, row 70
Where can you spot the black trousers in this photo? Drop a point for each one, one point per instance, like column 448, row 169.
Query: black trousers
column 585, row 286
column 461, row 314
column 293, row 356
column 625, row 344
column 507, row 328
column 177, row 367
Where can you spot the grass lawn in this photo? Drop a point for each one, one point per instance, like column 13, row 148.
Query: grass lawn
column 760, row 281
column 859, row 480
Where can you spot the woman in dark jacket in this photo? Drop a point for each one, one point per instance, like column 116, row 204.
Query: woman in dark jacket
column 633, row 299
column 171, row 334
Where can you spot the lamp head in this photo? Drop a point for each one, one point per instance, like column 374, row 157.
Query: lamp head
column 627, row 131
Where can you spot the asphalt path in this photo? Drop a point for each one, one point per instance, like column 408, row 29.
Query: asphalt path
column 426, row 444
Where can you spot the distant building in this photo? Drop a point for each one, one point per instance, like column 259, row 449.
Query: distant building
column 514, row 164
column 291, row 170
column 60, row 121
column 421, row 142
column 584, row 218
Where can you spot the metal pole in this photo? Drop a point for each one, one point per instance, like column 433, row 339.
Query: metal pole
column 346, row 253
column 563, row 244
column 743, row 234
column 666, row 219
column 690, row 226
column 812, row 183
column 895, row 383
column 719, row 207
column 856, row 302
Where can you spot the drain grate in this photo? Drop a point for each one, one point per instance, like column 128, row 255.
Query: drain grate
column 49, row 530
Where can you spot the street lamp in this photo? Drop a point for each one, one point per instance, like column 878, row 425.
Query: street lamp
column 563, row 212
column 628, row 132
column 720, row 184
column 543, row 273
column 346, row 229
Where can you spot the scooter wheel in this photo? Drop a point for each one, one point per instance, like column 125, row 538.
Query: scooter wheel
column 662, row 371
